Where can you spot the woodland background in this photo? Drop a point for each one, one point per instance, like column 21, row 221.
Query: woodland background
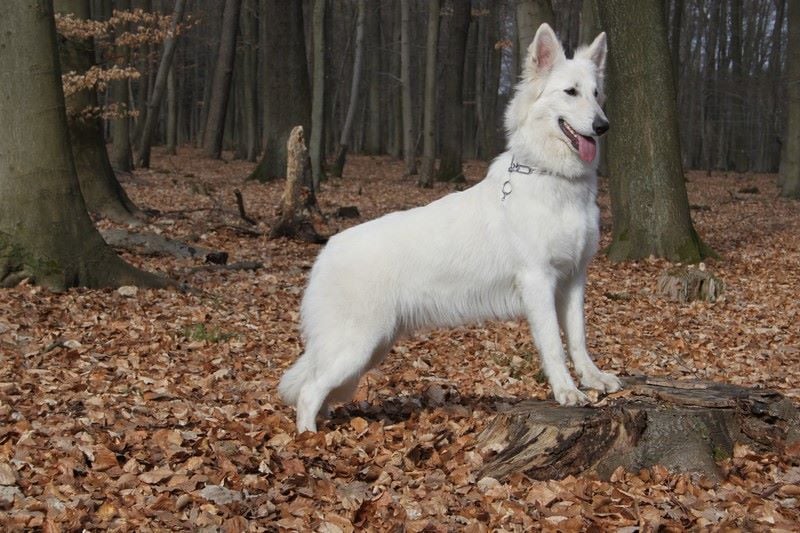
column 128, row 406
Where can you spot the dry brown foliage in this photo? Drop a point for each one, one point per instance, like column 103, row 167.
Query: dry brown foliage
column 153, row 410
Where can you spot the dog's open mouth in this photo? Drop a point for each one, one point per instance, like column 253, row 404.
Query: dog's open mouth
column 585, row 146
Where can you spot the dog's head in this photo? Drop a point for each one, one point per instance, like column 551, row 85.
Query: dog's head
column 555, row 115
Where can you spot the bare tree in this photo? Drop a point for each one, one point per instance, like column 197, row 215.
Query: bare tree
column 427, row 166
column 154, row 103
column 286, row 92
column 455, row 21
column 318, row 92
column 790, row 166
column 121, row 154
column 221, row 83
column 358, row 60
column 409, row 155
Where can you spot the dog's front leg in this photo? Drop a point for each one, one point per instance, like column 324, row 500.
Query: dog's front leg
column 538, row 295
column 569, row 305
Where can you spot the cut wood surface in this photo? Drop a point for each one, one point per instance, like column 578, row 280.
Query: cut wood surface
column 683, row 425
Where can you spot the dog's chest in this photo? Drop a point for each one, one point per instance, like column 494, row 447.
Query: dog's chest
column 558, row 228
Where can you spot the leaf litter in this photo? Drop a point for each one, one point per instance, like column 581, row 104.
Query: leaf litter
column 148, row 410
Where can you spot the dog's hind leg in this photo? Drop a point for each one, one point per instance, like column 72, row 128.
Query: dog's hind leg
column 569, row 304
column 335, row 379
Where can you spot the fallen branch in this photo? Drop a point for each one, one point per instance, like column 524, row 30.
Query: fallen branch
column 240, row 205
column 241, row 265
column 152, row 244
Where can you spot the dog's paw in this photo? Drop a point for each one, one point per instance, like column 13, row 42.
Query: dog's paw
column 602, row 381
column 570, row 397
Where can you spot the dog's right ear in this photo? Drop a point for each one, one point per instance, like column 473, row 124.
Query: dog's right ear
column 544, row 52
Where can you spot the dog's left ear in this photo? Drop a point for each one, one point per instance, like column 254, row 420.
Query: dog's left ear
column 596, row 53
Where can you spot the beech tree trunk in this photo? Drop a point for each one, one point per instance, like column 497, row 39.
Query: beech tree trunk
column 221, row 83
column 154, row 103
column 682, row 425
column 455, row 22
column 46, row 234
column 358, row 60
column 121, row 153
column 530, row 15
column 318, row 97
column 373, row 142
column 409, row 152
column 287, row 97
column 790, row 164
column 172, row 112
column 249, row 71
column 427, row 166
column 649, row 202
column 101, row 190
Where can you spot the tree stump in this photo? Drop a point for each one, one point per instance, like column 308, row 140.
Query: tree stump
column 684, row 426
column 298, row 199
column 683, row 285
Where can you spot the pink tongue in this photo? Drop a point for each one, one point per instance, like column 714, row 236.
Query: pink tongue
column 587, row 148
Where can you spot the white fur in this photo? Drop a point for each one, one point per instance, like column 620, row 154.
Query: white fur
column 471, row 256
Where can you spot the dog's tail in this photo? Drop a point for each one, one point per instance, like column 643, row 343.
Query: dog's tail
column 294, row 379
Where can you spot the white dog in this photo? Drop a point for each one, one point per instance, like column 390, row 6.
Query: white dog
column 515, row 245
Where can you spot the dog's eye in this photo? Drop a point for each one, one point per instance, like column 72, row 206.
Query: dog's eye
column 595, row 93
column 571, row 91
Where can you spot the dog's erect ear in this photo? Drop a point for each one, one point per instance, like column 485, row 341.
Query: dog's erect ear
column 596, row 52
column 544, row 52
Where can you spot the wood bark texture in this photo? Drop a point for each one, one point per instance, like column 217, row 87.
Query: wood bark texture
column 46, row 234
column 790, row 165
column 649, row 202
column 428, row 163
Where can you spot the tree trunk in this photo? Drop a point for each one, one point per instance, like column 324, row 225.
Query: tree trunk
column 318, row 98
column 298, row 199
column 121, row 153
column 530, row 15
column 172, row 112
column 101, row 191
column 427, row 166
column 455, row 22
column 358, row 60
column 682, row 425
column 649, row 203
column 154, row 103
column 790, row 163
column 221, row 83
column 409, row 155
column 373, row 143
column 287, row 98
column 249, row 78
column 46, row 234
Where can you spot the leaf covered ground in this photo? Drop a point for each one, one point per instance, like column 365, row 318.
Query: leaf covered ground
column 151, row 410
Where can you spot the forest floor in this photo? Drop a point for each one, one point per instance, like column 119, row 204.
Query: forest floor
column 154, row 410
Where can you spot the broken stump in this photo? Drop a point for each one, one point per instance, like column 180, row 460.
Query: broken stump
column 298, row 200
column 682, row 284
column 683, row 426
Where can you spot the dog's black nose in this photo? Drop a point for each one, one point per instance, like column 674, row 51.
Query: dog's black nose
column 599, row 125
